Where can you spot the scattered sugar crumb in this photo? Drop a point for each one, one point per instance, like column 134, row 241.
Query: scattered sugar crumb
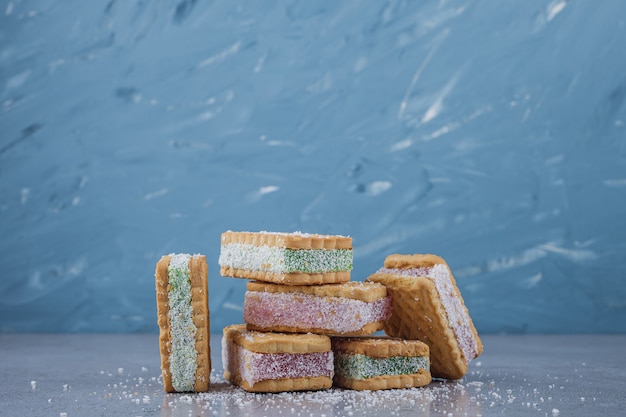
column 555, row 412
column 442, row 398
column 33, row 385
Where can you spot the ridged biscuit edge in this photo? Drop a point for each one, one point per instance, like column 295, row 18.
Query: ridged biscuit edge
column 271, row 342
column 367, row 329
column 295, row 278
column 288, row 384
column 413, row 261
column 420, row 379
column 288, row 240
column 355, row 290
column 198, row 274
column 165, row 343
column 380, row 347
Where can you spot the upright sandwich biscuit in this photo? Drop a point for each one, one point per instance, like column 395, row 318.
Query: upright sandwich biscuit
column 375, row 363
column 183, row 318
column 276, row 362
column 286, row 258
column 428, row 306
column 351, row 308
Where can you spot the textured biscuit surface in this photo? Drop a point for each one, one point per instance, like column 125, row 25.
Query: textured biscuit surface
column 380, row 347
column 285, row 384
column 198, row 274
column 288, row 240
column 198, row 271
column 289, row 278
column 413, row 261
column 367, row 329
column 266, row 342
column 163, row 308
column 362, row 291
column 418, row 313
column 420, row 379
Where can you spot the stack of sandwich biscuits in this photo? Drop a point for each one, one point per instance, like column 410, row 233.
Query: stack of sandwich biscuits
column 301, row 289
column 307, row 326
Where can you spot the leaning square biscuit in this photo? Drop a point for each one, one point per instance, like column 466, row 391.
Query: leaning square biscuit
column 276, row 362
column 183, row 318
column 428, row 306
column 377, row 363
column 350, row 308
column 286, row 258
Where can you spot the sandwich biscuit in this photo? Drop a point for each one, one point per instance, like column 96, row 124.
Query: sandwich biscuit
column 286, row 258
column 183, row 319
column 428, row 306
column 351, row 308
column 276, row 362
column 378, row 363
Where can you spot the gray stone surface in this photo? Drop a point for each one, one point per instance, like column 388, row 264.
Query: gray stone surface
column 119, row 375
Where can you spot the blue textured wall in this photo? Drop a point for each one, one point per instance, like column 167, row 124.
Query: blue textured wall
column 490, row 133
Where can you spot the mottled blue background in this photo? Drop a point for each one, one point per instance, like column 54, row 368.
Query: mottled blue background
column 490, row 133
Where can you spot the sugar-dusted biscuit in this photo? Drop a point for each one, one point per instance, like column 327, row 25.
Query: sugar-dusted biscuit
column 428, row 306
column 276, row 362
column 350, row 308
column 286, row 258
column 183, row 318
column 377, row 363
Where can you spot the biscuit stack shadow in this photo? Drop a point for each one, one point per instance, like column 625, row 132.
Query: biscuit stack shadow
column 305, row 321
